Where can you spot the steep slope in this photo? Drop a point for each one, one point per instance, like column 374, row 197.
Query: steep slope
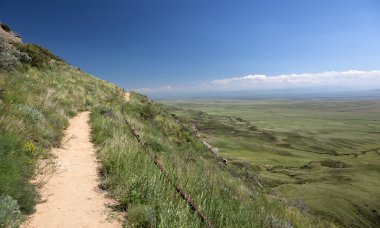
column 148, row 158
column 38, row 94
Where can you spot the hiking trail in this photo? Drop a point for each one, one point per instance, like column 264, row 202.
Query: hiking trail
column 71, row 197
column 127, row 96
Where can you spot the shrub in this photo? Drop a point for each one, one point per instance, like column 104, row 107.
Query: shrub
column 142, row 216
column 5, row 27
column 30, row 113
column 108, row 112
column 16, row 168
column 39, row 57
column 10, row 57
column 10, row 214
column 31, row 149
column 1, row 95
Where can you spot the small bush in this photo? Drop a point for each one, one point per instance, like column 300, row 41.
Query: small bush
column 334, row 164
column 5, row 27
column 142, row 216
column 1, row 94
column 10, row 214
column 10, row 57
column 31, row 149
column 16, row 168
column 40, row 57
column 154, row 145
column 30, row 113
column 108, row 112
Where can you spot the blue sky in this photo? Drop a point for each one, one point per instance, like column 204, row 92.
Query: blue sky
column 150, row 44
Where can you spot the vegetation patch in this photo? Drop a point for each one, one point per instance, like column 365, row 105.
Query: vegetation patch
column 39, row 57
column 10, row 56
column 35, row 104
column 334, row 164
column 10, row 214
column 5, row 27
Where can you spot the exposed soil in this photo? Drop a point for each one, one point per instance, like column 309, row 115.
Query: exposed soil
column 72, row 198
column 127, row 96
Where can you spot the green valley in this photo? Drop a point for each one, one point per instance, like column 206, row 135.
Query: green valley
column 322, row 155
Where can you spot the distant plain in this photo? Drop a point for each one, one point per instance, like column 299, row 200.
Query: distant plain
column 323, row 153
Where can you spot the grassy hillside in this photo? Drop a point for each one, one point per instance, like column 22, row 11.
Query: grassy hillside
column 39, row 93
column 131, row 176
column 325, row 153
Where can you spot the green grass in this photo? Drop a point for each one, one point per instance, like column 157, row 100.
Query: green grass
column 131, row 176
column 324, row 153
column 35, row 104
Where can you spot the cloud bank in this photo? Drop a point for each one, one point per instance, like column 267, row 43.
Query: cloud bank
column 333, row 80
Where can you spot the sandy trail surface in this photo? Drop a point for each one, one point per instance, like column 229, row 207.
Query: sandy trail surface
column 127, row 96
column 72, row 198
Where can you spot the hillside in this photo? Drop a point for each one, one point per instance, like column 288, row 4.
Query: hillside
column 38, row 94
column 156, row 168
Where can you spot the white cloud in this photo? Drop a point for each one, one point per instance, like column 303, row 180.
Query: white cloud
column 330, row 78
column 351, row 79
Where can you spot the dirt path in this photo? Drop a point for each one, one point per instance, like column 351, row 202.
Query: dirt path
column 72, row 196
column 127, row 96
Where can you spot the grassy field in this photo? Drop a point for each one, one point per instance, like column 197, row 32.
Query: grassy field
column 321, row 153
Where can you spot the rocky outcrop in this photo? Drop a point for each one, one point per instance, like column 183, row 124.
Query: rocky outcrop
column 213, row 150
column 7, row 34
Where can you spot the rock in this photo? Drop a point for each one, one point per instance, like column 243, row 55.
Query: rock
column 9, row 35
